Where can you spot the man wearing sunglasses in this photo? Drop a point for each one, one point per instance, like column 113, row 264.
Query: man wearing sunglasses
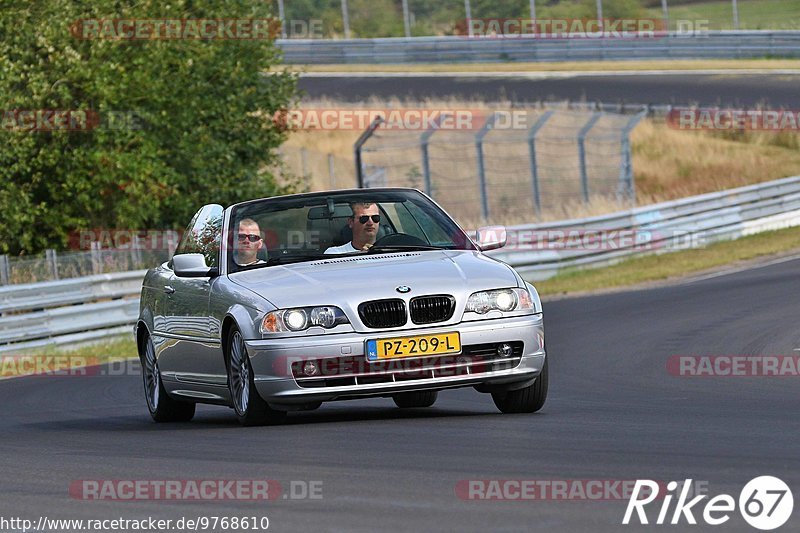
column 248, row 243
column 364, row 223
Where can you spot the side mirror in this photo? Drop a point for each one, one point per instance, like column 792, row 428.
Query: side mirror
column 491, row 237
column 192, row 266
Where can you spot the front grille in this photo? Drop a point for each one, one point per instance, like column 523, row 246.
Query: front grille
column 383, row 313
column 430, row 309
column 356, row 370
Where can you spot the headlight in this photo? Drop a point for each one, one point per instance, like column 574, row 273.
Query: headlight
column 499, row 300
column 303, row 318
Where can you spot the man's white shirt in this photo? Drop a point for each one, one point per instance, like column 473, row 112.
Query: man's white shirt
column 343, row 249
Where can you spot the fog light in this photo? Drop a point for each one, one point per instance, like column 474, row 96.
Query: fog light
column 310, row 368
column 504, row 350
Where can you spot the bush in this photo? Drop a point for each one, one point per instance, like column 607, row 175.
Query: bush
column 197, row 133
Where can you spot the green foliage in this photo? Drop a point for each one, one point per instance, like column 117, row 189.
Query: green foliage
column 199, row 134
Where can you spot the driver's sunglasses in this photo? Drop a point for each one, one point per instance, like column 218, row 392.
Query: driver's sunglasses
column 249, row 237
column 375, row 218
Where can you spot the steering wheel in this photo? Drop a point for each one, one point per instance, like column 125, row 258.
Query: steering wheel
column 399, row 239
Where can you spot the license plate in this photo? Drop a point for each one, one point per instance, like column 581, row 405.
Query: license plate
column 395, row 347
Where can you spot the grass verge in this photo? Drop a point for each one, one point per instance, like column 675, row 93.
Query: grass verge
column 753, row 14
column 654, row 268
column 574, row 66
column 51, row 360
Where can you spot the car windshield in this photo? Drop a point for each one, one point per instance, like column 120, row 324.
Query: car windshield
column 317, row 226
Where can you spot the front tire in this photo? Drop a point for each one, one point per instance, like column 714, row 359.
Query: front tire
column 250, row 408
column 527, row 400
column 162, row 408
column 425, row 398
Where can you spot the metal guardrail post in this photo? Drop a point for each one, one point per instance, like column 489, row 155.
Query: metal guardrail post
column 481, row 167
column 540, row 122
column 5, row 274
column 52, row 261
column 363, row 138
column 627, row 186
column 582, row 153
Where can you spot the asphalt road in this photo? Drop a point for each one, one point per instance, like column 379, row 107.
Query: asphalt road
column 614, row 413
column 731, row 90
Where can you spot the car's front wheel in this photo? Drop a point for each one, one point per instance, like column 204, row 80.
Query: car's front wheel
column 162, row 408
column 251, row 409
column 526, row 400
column 424, row 398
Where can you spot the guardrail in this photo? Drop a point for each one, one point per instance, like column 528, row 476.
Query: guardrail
column 95, row 307
column 69, row 311
column 709, row 45
column 539, row 251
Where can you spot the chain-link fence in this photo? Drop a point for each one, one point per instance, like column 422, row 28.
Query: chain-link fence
column 53, row 265
column 315, row 170
column 317, row 19
column 557, row 158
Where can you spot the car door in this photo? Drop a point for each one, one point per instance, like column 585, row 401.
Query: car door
column 193, row 352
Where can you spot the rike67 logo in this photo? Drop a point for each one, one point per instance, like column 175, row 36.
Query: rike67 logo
column 765, row 503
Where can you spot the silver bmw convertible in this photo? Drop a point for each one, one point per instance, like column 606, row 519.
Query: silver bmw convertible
column 280, row 304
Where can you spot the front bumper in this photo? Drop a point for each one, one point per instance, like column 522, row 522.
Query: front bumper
column 273, row 359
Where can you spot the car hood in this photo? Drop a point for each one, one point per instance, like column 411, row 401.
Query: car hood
column 348, row 281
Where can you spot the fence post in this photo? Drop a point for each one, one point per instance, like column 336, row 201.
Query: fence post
column 362, row 139
column 94, row 246
column 331, row 171
column 304, row 168
column 5, row 274
column 424, row 139
column 481, row 167
column 345, row 19
column 626, row 186
column 52, row 261
column 537, row 200
column 582, row 153
column 282, row 17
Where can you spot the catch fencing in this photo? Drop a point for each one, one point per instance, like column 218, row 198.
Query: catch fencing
column 55, row 265
column 559, row 157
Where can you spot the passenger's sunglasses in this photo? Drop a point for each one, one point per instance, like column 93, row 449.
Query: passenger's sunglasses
column 375, row 218
column 249, row 237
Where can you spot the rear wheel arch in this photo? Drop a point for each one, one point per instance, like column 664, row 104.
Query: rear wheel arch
column 227, row 326
column 142, row 332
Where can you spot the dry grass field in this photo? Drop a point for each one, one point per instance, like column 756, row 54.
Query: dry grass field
column 667, row 163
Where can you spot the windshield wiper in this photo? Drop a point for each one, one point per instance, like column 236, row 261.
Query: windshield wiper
column 403, row 248
column 288, row 259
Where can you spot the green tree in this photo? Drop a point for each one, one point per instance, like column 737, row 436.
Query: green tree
column 201, row 131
